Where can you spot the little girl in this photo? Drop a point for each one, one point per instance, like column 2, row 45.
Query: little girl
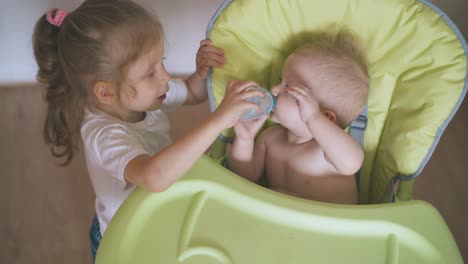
column 102, row 65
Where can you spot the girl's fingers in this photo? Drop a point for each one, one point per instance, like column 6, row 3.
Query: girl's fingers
column 251, row 93
column 241, row 87
column 255, row 124
column 211, row 56
column 232, row 84
column 208, row 55
column 238, row 87
column 261, row 119
column 205, row 42
column 210, row 62
column 249, row 105
column 211, row 49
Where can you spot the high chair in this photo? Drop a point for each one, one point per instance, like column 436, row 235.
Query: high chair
column 418, row 68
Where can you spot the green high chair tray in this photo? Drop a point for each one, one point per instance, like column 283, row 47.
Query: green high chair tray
column 418, row 73
column 213, row 216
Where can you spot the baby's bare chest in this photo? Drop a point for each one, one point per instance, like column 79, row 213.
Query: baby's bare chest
column 297, row 161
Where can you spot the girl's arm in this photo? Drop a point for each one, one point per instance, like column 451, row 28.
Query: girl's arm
column 247, row 158
column 207, row 56
column 158, row 172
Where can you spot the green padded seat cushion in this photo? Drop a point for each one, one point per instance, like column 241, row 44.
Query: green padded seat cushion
column 417, row 67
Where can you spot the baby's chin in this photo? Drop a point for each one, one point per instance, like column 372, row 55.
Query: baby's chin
column 273, row 117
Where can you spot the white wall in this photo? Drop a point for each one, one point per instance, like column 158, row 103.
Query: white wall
column 184, row 23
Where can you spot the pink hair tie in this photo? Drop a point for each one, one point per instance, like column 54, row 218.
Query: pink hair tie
column 56, row 20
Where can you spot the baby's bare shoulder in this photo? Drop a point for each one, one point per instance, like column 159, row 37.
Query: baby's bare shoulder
column 273, row 137
column 272, row 134
column 274, row 131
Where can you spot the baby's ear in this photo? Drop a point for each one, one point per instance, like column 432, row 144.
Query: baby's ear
column 104, row 92
column 329, row 114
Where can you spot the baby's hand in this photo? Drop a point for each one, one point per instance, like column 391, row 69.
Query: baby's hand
column 208, row 56
column 234, row 102
column 247, row 129
column 308, row 105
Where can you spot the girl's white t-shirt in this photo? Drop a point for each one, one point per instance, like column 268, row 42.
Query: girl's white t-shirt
column 109, row 144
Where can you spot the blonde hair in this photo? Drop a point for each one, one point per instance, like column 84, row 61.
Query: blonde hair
column 97, row 41
column 338, row 53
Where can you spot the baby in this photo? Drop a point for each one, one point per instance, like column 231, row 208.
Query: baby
column 323, row 89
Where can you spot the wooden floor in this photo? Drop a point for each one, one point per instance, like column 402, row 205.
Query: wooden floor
column 46, row 210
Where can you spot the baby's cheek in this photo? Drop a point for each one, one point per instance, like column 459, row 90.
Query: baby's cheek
column 290, row 105
column 283, row 110
column 293, row 111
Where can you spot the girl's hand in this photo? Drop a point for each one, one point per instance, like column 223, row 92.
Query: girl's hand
column 234, row 102
column 208, row 56
column 308, row 105
column 247, row 129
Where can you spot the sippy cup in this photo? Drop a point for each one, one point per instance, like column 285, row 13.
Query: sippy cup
column 266, row 103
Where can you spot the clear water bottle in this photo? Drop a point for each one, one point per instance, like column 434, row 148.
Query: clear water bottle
column 266, row 103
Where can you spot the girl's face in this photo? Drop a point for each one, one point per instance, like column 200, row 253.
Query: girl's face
column 149, row 80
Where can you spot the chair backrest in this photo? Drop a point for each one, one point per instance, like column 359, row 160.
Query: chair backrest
column 417, row 63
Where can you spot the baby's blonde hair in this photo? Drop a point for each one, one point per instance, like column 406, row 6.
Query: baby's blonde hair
column 338, row 53
column 96, row 42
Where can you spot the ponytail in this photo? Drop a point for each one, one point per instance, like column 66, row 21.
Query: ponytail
column 64, row 107
column 97, row 41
